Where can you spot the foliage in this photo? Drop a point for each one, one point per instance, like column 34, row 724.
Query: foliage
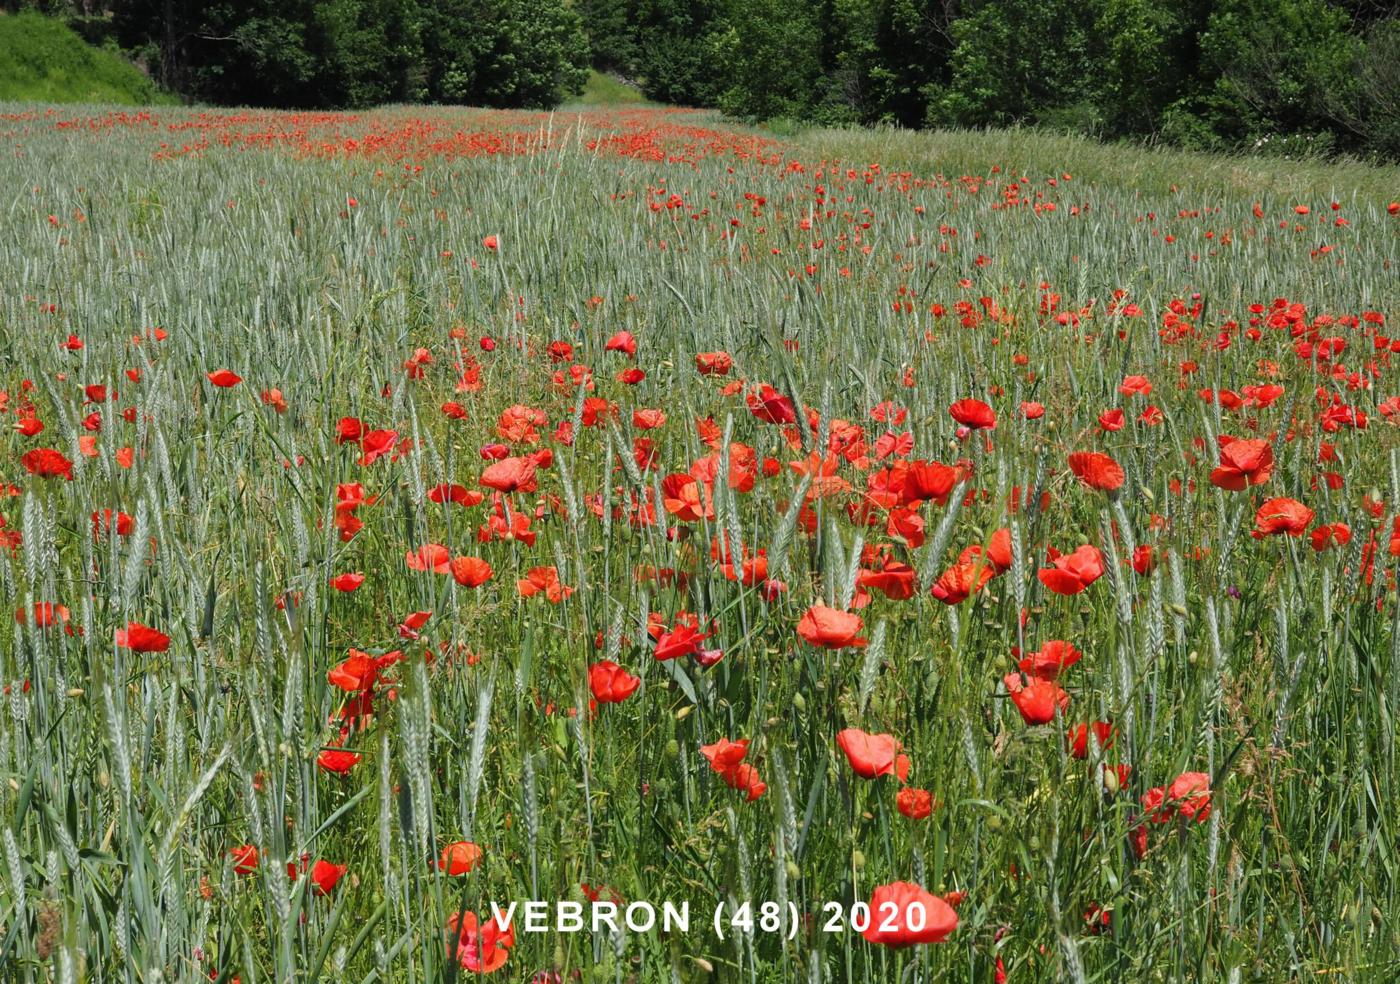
column 680, row 48
column 1281, row 67
column 42, row 60
column 508, row 53
column 774, row 63
column 1014, row 59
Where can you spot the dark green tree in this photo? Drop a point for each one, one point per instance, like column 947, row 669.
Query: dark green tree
column 509, row 53
column 913, row 41
column 612, row 43
column 1277, row 70
column 1020, row 60
column 774, row 60
column 680, row 50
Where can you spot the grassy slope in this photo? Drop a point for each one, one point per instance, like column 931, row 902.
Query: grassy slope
column 42, row 60
column 1142, row 170
column 607, row 90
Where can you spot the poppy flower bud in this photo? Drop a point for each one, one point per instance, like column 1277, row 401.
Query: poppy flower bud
column 857, row 860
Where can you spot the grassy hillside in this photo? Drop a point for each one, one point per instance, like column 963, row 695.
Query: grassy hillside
column 42, row 60
column 608, row 90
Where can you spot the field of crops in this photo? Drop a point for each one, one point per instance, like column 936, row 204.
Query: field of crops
column 947, row 557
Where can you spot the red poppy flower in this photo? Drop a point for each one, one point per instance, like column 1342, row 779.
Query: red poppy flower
column 713, row 363
column 355, row 673
column 1144, row 559
column 1073, row 572
column 376, row 444
column 349, row 430
column 1191, row 791
column 961, row 581
column 46, row 613
column 1077, row 738
column 1242, row 463
column 727, row 758
column 974, row 414
column 452, row 492
column 470, row 572
column 610, row 683
column 142, row 639
column 245, row 859
column 347, row 582
column 744, row 777
column 872, row 756
column 830, row 628
column 224, row 378
column 929, row 480
column 916, row 804
column 491, row 242
column 1112, row 420
column 337, row 760
column 1096, row 470
column 622, row 342
column 1282, row 515
column 1135, row 386
column 997, row 556
column 1037, row 699
column 47, row 463
column 429, row 557
column 481, row 946
column 510, row 475
column 687, row 499
column 408, row 628
column 683, row 640
column 458, row 858
column 896, row 581
column 102, row 521
column 725, row 754
column 543, row 580
column 324, row 874
column 1054, row 657
column 770, row 406
column 904, row 914
column 1328, row 534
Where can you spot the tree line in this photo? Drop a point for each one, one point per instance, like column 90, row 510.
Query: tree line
column 1287, row 76
column 344, row 54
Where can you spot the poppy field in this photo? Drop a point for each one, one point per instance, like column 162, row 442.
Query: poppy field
column 941, row 557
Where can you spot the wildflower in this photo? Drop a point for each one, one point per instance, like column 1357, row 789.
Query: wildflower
column 974, row 414
column 1282, row 515
column 903, row 914
column 142, row 639
column 872, row 756
column 610, row 683
column 829, row 628
column 224, row 378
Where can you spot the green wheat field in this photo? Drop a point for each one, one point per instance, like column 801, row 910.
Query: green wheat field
column 927, row 557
